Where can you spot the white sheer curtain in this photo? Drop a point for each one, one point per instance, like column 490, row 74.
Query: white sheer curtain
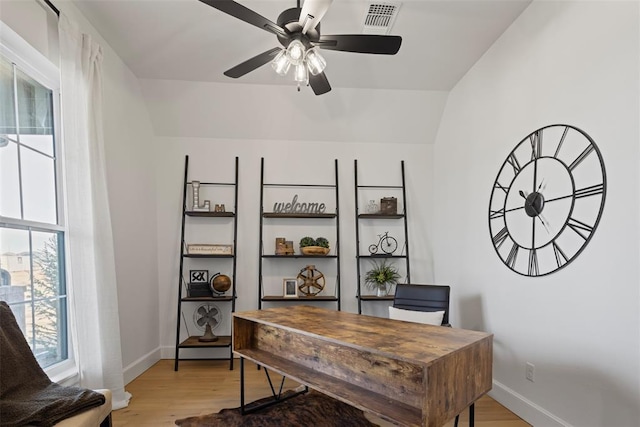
column 93, row 293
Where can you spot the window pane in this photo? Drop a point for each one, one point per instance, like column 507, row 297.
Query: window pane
column 48, row 332
column 9, row 184
column 16, row 261
column 42, row 143
column 38, row 187
column 46, row 265
column 7, row 110
column 35, row 113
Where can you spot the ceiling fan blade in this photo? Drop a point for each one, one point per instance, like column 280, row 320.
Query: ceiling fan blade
column 237, row 10
column 319, row 83
column 362, row 43
column 312, row 12
column 251, row 64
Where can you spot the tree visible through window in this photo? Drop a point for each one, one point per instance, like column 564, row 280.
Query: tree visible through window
column 31, row 231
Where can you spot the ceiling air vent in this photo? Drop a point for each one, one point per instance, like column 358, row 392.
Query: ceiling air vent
column 380, row 18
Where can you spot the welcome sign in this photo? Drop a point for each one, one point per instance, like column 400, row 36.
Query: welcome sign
column 297, row 207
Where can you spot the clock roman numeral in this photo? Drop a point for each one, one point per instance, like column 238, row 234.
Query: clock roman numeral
column 513, row 161
column 536, row 144
column 513, row 254
column 580, row 227
column 564, row 135
column 581, row 157
column 533, row 263
column 561, row 258
column 497, row 214
column 589, row 191
column 501, row 187
column 499, row 238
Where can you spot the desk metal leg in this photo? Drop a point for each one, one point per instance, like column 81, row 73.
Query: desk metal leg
column 277, row 397
column 471, row 416
column 242, row 385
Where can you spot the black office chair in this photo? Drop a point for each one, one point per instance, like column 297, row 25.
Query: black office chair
column 423, row 298
column 428, row 298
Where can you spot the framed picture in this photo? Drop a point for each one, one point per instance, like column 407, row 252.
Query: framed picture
column 198, row 276
column 290, row 288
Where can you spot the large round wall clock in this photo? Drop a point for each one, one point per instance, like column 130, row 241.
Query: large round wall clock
column 547, row 200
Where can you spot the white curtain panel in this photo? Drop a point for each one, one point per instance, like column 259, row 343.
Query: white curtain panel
column 93, row 293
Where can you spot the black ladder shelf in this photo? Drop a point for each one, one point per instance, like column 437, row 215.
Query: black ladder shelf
column 379, row 218
column 278, row 219
column 214, row 261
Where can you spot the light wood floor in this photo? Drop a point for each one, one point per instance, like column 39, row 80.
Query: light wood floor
column 161, row 395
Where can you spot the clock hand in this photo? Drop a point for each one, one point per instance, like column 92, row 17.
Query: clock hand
column 544, row 222
column 541, row 187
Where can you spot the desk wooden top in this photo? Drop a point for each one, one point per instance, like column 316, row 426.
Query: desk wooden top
column 412, row 342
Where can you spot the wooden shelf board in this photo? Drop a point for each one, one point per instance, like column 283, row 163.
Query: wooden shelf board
column 354, row 395
column 381, row 256
column 207, row 256
column 380, row 216
column 203, row 299
column 375, row 298
column 192, row 342
column 299, row 256
column 281, row 298
column 210, row 214
column 297, row 215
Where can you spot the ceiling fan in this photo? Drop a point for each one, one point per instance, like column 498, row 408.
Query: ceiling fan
column 298, row 31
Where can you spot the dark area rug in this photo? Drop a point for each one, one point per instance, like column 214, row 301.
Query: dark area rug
column 309, row 409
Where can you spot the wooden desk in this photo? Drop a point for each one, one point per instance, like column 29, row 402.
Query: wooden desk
column 407, row 373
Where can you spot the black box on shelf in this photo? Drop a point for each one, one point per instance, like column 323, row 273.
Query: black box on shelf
column 389, row 206
column 199, row 290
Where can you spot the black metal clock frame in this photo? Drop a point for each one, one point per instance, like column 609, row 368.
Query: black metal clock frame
column 547, row 144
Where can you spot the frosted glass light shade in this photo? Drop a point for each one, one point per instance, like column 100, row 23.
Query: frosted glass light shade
column 315, row 62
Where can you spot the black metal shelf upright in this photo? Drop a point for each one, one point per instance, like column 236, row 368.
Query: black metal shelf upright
column 192, row 341
column 380, row 217
column 284, row 219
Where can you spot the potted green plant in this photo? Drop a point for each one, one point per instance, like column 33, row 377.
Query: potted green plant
column 322, row 242
column 311, row 246
column 381, row 277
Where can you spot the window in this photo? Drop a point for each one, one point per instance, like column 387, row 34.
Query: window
column 32, row 233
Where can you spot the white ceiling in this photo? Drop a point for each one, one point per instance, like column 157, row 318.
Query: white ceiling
column 188, row 40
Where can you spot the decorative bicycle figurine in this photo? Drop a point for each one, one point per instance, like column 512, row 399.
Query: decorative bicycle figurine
column 386, row 243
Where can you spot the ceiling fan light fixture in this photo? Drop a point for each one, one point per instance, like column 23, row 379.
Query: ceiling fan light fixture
column 281, row 63
column 315, row 62
column 301, row 74
column 295, row 52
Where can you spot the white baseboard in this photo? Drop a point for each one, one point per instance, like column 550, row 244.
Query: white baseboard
column 167, row 352
column 139, row 366
column 524, row 408
column 170, row 353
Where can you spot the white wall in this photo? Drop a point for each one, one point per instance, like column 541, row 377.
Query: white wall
column 560, row 62
column 259, row 112
column 129, row 154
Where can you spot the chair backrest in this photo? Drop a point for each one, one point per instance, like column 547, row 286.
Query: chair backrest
column 423, row 298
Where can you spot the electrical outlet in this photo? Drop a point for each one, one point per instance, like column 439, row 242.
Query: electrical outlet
column 530, row 372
